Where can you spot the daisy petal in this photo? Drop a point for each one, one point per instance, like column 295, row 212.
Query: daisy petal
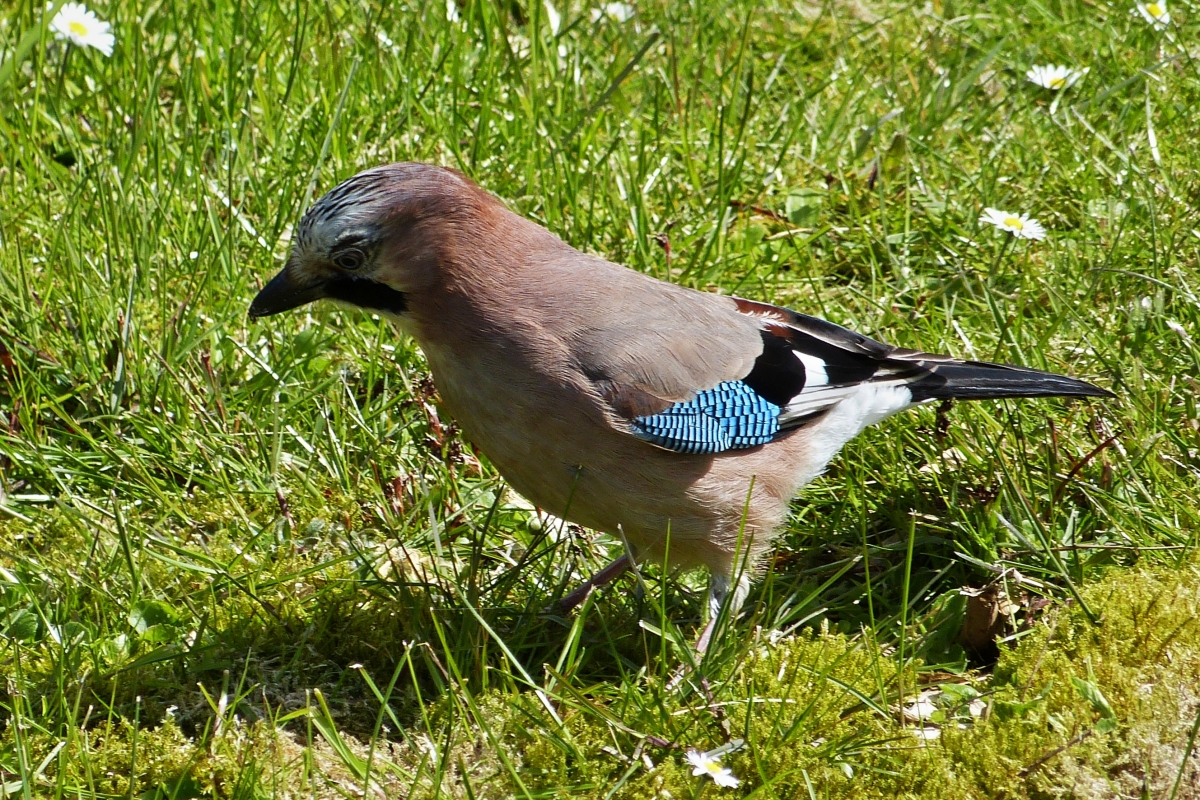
column 1054, row 77
column 1155, row 13
column 1022, row 226
column 79, row 26
column 706, row 764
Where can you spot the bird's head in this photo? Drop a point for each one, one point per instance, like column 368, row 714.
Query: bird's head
column 373, row 239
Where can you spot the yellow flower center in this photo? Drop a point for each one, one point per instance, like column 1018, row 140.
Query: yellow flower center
column 79, row 29
column 1155, row 10
column 1014, row 222
column 1058, row 83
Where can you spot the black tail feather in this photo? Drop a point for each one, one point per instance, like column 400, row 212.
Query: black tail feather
column 978, row 380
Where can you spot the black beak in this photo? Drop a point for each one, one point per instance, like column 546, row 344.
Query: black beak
column 283, row 293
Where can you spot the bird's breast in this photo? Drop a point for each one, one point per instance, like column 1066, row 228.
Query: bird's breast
column 519, row 395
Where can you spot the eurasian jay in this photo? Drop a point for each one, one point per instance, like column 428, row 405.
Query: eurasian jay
column 679, row 420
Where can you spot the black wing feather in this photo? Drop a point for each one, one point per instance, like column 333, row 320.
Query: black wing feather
column 849, row 359
column 778, row 375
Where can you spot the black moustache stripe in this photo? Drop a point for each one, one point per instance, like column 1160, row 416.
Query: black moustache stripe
column 366, row 293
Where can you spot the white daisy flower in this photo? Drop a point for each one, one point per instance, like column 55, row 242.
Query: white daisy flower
column 387, row 43
column 1021, row 226
column 705, row 764
column 621, row 12
column 1155, row 13
column 82, row 28
column 553, row 17
column 1179, row 329
column 1054, row 77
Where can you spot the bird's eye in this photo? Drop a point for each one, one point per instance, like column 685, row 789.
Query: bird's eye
column 350, row 259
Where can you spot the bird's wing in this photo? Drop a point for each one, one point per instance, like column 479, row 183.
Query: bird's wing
column 701, row 373
column 839, row 361
column 733, row 387
column 834, row 363
column 659, row 349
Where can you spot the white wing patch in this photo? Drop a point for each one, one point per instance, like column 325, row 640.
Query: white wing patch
column 817, row 395
column 814, row 371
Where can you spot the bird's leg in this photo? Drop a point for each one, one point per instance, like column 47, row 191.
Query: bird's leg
column 720, row 592
column 610, row 573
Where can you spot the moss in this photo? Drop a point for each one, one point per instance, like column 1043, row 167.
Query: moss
column 1041, row 737
column 815, row 710
column 799, row 705
column 120, row 759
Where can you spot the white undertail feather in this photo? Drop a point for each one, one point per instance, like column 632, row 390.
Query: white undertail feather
column 810, row 402
column 864, row 405
column 875, row 402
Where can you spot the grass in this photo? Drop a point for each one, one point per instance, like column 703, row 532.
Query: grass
column 252, row 560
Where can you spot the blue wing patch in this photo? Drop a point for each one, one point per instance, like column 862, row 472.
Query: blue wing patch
column 729, row 416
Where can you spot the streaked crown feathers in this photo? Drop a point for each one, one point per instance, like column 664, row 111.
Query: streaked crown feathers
column 353, row 201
